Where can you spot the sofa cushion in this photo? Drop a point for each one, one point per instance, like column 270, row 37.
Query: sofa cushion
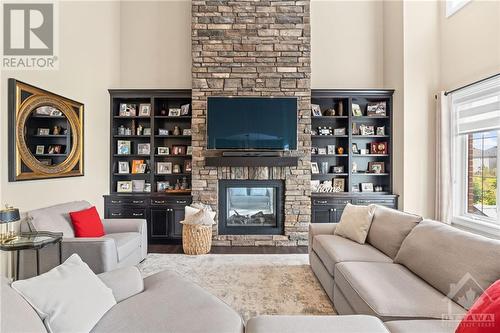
column 56, row 218
column 170, row 303
column 451, row 260
column 126, row 243
column 16, row 315
column 390, row 292
column 355, row 222
column 421, row 326
column 389, row 228
column 333, row 249
column 315, row 324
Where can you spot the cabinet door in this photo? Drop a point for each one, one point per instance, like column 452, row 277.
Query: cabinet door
column 321, row 214
column 158, row 226
column 337, row 211
column 176, row 216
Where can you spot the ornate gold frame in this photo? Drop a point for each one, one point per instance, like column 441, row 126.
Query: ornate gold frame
column 23, row 108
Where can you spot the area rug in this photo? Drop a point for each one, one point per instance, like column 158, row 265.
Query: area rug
column 252, row 284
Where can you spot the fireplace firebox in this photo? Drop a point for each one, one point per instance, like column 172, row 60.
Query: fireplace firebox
column 250, row 207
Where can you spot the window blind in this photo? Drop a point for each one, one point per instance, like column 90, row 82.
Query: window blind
column 477, row 107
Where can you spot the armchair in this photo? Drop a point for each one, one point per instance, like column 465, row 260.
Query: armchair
column 125, row 242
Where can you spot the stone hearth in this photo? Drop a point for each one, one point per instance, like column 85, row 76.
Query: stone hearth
column 253, row 48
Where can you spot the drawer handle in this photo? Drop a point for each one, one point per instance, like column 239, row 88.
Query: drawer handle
column 181, row 201
column 116, row 201
column 138, row 214
column 138, row 201
column 322, row 201
column 116, row 214
column 158, row 202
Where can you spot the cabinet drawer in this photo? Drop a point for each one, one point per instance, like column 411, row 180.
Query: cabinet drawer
column 330, row 201
column 121, row 213
column 384, row 202
column 170, row 201
column 126, row 201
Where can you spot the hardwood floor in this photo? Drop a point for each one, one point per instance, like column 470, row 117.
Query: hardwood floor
column 177, row 248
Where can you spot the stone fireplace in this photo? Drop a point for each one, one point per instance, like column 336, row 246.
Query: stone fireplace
column 253, row 48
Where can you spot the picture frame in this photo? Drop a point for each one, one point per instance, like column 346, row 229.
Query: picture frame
column 356, row 110
column 144, row 148
column 163, row 151
column 123, row 167
column 330, row 149
column 315, row 185
column 355, row 149
column 45, row 161
column 176, row 168
column 145, row 110
column 376, row 167
column 338, row 184
column 186, row 131
column 355, row 129
column 55, row 149
column 188, row 166
column 137, row 166
column 314, row 150
column 355, row 188
column 178, row 150
column 189, row 150
column 339, row 131
column 185, row 109
column 124, row 186
column 147, row 187
column 138, row 185
column 127, row 110
column 363, row 151
column 43, row 131
column 367, row 129
column 316, row 110
column 162, row 186
column 163, row 131
column 366, row 187
column 376, row 109
column 164, row 168
column 174, row 112
column 314, row 168
column 146, row 131
column 378, row 148
column 322, row 151
column 123, row 147
column 40, row 150
column 323, row 130
column 381, row 130
column 338, row 169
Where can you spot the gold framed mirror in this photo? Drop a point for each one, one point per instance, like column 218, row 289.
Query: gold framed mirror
column 45, row 134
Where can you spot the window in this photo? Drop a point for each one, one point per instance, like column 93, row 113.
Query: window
column 476, row 124
column 453, row 6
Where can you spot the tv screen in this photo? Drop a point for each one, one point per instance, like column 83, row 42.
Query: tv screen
column 252, row 123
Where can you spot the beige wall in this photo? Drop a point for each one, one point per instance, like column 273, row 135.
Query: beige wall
column 89, row 65
column 470, row 43
column 155, row 43
column 346, row 44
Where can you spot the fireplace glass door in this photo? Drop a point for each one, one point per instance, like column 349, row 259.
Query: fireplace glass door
column 251, row 206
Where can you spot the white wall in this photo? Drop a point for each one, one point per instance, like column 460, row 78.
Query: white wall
column 346, row 44
column 89, row 65
column 155, row 47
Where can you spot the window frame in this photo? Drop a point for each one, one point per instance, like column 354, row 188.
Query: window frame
column 453, row 6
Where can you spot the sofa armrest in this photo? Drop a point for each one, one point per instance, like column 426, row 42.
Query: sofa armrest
column 124, row 282
column 113, row 226
column 99, row 253
column 320, row 229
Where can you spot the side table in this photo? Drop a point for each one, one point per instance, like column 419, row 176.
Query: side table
column 33, row 241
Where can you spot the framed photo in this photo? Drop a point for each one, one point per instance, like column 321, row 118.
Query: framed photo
column 40, row 150
column 355, row 149
column 355, row 188
column 162, row 186
column 330, row 149
column 137, row 166
column 356, row 110
column 124, row 186
column 314, row 168
column 375, row 109
column 376, row 167
column 378, row 148
column 381, row 130
column 316, row 110
column 366, row 187
column 147, row 187
column 138, row 185
column 186, row 131
column 144, row 110
column 179, row 150
column 188, row 166
column 189, row 150
column 355, row 129
column 163, row 151
column 185, row 110
column 174, row 112
column 163, row 131
column 123, row 147
column 45, row 161
column 146, row 131
column 128, row 110
column 367, row 130
column 55, row 149
column 321, row 151
column 143, row 148
column 363, row 151
column 339, row 131
column 338, row 169
column 323, row 130
column 314, row 150
column 164, row 168
column 43, row 131
column 123, row 167
column 176, row 168
column 338, row 184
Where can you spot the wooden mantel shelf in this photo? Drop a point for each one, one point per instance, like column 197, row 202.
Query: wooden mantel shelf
column 252, row 161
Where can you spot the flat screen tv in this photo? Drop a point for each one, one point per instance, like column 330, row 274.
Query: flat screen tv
column 252, row 123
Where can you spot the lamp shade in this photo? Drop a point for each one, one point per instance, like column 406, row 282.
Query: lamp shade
column 8, row 215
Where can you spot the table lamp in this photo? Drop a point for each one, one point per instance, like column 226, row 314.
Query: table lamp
column 9, row 223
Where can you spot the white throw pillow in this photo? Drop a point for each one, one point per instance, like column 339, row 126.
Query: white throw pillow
column 355, row 222
column 68, row 298
column 198, row 214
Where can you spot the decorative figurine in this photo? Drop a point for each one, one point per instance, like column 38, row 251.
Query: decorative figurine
column 340, row 150
column 177, row 130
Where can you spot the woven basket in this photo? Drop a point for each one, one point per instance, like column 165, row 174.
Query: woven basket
column 196, row 238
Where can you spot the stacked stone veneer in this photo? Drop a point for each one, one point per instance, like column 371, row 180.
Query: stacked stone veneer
column 253, row 48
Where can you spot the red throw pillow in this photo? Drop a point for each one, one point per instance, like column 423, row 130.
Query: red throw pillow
column 484, row 315
column 87, row 223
